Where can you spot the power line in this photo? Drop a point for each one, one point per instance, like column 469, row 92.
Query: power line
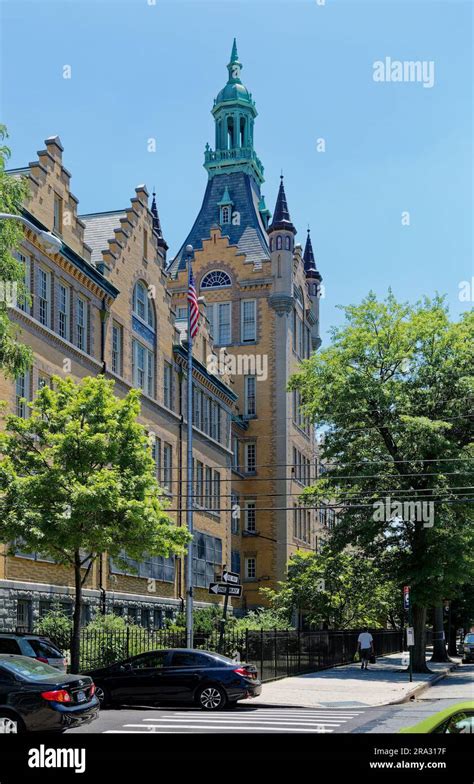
column 339, row 507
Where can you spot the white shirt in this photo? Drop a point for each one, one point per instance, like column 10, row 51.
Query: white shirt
column 365, row 639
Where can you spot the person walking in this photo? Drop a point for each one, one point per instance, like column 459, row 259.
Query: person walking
column 365, row 644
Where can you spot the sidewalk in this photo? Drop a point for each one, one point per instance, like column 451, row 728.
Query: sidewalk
column 348, row 686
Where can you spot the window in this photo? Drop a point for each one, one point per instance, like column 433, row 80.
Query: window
column 235, row 453
column 168, row 385
column 235, row 561
column 198, row 408
column 81, row 324
column 149, row 661
column 157, row 618
column 215, row 279
column 182, row 312
column 322, row 514
column 250, row 395
column 235, row 515
column 145, row 244
column 248, row 310
column 219, row 315
column 64, row 300
column 142, row 305
column 23, row 613
column 299, row 419
column 208, row 489
column 207, row 559
column 117, row 348
column 331, row 518
column 250, row 457
column 199, row 487
column 26, row 261
column 143, row 367
column 167, row 465
column 58, row 214
column 225, row 215
column 250, row 516
column 216, row 505
column 156, row 455
column 43, row 381
column 287, row 243
column 215, row 420
column 250, row 568
column 185, row 659
column 155, row 567
column 44, row 296
column 22, row 395
column 9, row 645
column 278, row 243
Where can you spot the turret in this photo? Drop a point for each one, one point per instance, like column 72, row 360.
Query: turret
column 281, row 234
column 313, row 280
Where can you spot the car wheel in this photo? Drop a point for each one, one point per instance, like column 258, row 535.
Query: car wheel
column 211, row 698
column 10, row 725
column 103, row 696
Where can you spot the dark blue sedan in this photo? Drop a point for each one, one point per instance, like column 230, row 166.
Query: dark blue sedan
column 37, row 697
column 180, row 676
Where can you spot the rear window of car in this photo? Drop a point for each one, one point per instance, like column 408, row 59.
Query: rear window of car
column 469, row 638
column 9, row 645
column 45, row 649
column 28, row 668
column 185, row 659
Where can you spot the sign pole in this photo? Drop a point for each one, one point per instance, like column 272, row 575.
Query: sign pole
column 223, row 620
column 189, row 467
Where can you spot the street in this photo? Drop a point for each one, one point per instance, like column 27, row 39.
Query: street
column 261, row 718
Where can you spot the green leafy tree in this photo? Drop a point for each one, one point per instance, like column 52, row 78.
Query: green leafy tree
column 56, row 626
column 77, row 479
column 334, row 590
column 393, row 394
column 15, row 357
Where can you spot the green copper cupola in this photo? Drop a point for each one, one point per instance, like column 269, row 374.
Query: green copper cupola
column 234, row 113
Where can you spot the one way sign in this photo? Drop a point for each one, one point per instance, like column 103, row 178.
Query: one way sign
column 229, row 577
column 221, row 589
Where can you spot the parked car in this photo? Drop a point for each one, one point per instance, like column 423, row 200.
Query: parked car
column 34, row 645
column 458, row 719
column 36, row 697
column 180, row 675
column 468, row 648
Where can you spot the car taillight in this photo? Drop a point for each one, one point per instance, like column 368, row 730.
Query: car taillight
column 92, row 689
column 41, row 659
column 243, row 671
column 59, row 695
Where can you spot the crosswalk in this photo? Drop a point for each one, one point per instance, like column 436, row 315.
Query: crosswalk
column 260, row 720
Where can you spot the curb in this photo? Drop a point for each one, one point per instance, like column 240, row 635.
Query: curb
column 423, row 686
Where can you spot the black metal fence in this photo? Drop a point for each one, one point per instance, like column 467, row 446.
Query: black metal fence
column 276, row 654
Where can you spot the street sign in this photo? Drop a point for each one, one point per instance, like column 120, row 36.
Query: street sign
column 221, row 589
column 229, row 577
column 406, row 597
column 410, row 636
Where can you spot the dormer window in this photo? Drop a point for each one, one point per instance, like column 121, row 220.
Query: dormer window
column 142, row 305
column 225, row 215
column 225, row 208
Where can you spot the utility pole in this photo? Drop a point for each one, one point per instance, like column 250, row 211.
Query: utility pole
column 189, row 467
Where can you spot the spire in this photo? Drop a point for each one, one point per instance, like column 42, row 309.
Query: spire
column 235, row 66
column 309, row 260
column 157, row 225
column 281, row 216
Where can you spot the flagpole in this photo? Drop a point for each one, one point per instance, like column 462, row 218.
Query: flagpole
column 189, row 466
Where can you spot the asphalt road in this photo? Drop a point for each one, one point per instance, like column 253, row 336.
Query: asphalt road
column 248, row 717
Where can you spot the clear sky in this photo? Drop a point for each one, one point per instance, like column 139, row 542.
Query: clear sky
column 144, row 69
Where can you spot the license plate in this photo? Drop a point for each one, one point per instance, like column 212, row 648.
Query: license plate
column 81, row 696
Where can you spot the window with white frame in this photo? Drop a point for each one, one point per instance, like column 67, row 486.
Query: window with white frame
column 216, row 505
column 235, row 453
column 156, row 454
column 142, row 304
column 143, row 367
column 250, row 516
column 117, row 348
column 250, row 568
column 64, row 307
column 219, row 314
column 250, row 396
column 250, row 457
column 44, row 296
column 248, row 320
column 58, row 213
column 216, row 279
column 25, row 303
column 22, row 395
column 81, row 324
column 182, row 312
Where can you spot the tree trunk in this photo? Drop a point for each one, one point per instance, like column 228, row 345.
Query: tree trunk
column 452, row 646
column 419, row 624
column 439, row 644
column 76, row 624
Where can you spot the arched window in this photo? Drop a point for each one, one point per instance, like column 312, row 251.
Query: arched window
column 271, row 244
column 142, row 304
column 298, row 295
column 215, row 279
column 225, row 215
column 287, row 243
column 279, row 243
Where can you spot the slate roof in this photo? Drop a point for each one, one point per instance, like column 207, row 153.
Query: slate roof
column 281, row 216
column 250, row 236
column 100, row 229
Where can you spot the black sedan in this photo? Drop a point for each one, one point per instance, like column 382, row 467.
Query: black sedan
column 37, row 697
column 180, row 675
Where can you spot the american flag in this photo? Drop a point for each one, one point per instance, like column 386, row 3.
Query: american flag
column 193, row 306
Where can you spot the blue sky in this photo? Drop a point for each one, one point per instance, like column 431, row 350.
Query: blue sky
column 142, row 70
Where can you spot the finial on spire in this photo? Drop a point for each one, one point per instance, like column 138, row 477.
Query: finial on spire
column 235, row 65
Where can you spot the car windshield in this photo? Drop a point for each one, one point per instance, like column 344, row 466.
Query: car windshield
column 28, row 668
column 469, row 638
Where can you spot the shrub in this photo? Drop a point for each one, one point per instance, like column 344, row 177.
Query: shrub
column 56, row 626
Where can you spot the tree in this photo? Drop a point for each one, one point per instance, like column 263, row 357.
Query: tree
column 15, row 358
column 332, row 590
column 393, row 394
column 77, row 479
